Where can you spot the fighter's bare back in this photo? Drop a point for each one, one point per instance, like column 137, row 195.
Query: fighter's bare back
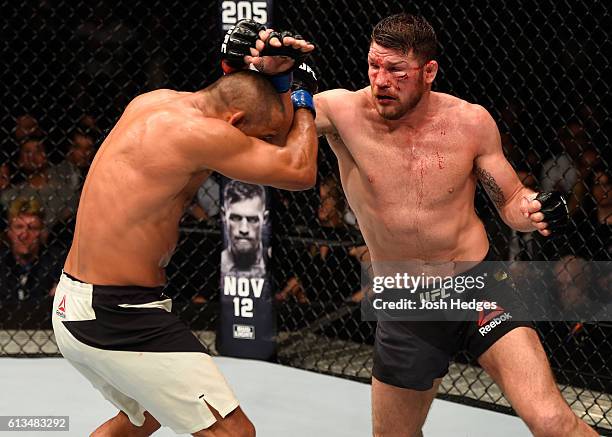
column 411, row 190
column 134, row 197
column 160, row 152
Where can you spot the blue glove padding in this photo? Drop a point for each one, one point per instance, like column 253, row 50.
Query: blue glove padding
column 303, row 99
column 281, row 82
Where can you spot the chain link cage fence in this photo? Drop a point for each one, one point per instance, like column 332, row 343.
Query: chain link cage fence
column 540, row 68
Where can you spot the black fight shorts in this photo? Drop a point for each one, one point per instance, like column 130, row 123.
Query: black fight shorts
column 411, row 354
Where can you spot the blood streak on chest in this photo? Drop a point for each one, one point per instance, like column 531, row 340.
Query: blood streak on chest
column 420, row 192
column 440, row 160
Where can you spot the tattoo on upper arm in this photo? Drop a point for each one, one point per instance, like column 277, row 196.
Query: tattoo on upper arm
column 488, row 182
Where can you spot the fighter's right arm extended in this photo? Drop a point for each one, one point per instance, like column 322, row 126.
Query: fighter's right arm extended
column 216, row 145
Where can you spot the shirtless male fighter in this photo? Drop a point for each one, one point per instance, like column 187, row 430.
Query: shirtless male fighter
column 409, row 162
column 110, row 317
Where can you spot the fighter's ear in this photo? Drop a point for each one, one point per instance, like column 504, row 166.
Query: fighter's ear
column 430, row 69
column 236, row 118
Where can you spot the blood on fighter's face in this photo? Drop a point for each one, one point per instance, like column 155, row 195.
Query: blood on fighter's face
column 396, row 81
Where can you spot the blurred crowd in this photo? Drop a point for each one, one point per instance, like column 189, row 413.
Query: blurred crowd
column 38, row 202
column 580, row 169
column 319, row 247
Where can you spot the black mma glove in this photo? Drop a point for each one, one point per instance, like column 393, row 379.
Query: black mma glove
column 297, row 55
column 304, row 86
column 554, row 208
column 282, row 81
column 305, row 78
column 238, row 41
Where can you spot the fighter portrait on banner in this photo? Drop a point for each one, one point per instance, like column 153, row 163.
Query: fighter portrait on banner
column 245, row 218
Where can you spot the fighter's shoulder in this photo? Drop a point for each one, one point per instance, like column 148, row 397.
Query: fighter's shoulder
column 336, row 107
column 186, row 124
column 168, row 108
column 153, row 109
column 336, row 97
column 151, row 97
column 467, row 114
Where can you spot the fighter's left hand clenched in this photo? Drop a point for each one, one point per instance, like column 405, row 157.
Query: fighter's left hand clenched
column 548, row 212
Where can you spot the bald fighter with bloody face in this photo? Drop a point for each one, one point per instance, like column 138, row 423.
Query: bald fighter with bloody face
column 409, row 162
column 110, row 316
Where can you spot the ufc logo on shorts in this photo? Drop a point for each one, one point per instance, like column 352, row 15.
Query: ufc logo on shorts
column 493, row 323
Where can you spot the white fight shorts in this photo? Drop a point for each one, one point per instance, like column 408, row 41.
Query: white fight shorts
column 139, row 355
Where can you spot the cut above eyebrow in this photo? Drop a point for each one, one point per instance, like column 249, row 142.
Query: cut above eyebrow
column 401, row 61
column 394, row 63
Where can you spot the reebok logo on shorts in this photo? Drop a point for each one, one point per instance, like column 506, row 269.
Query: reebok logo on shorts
column 61, row 308
column 485, row 316
column 488, row 321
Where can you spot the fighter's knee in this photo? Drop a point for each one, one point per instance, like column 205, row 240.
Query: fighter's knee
column 249, row 430
column 243, row 427
column 246, row 429
column 552, row 422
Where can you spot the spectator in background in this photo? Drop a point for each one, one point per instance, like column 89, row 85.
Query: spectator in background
column 362, row 255
column 561, row 172
column 573, row 277
column 27, row 127
column 570, row 172
column 42, row 182
column 5, row 182
column 332, row 204
column 566, row 172
column 28, row 268
column 88, row 125
column 602, row 192
column 578, row 201
column 5, row 176
column 206, row 204
column 198, row 282
column 332, row 201
column 602, row 223
column 325, row 272
column 73, row 169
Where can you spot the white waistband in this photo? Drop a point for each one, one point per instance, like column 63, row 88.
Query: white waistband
column 75, row 286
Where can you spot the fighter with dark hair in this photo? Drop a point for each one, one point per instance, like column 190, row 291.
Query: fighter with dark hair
column 409, row 160
column 110, row 317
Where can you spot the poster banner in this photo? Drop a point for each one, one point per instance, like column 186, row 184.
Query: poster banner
column 247, row 325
